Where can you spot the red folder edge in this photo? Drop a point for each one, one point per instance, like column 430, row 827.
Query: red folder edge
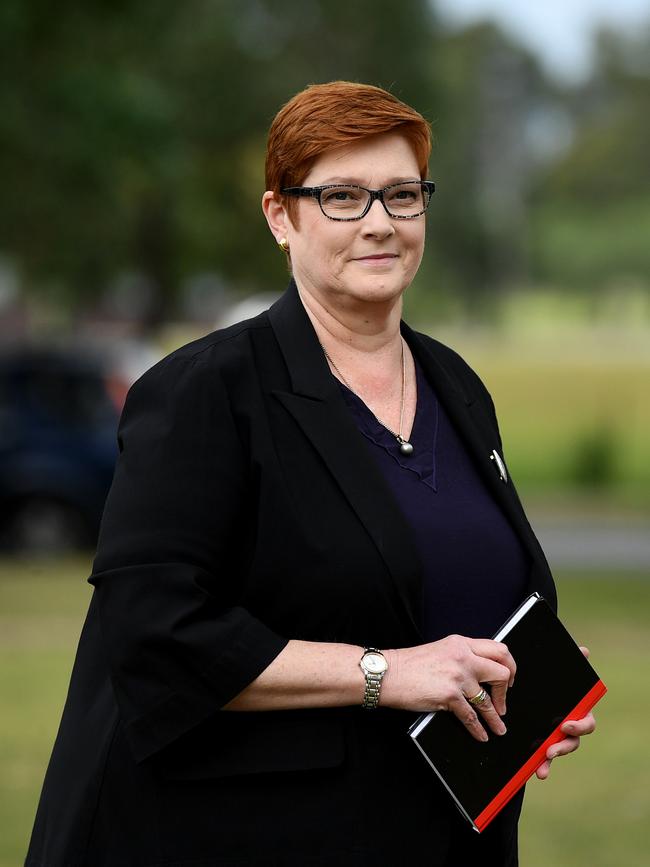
column 511, row 788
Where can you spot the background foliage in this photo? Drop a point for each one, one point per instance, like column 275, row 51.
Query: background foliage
column 132, row 138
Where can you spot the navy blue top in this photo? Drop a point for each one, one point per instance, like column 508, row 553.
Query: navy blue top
column 474, row 567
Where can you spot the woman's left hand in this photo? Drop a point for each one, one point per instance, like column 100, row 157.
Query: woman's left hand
column 574, row 730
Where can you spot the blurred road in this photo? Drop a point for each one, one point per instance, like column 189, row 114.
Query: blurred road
column 595, row 544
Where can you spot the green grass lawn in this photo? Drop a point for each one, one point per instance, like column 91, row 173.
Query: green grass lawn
column 574, row 423
column 594, row 810
column 42, row 606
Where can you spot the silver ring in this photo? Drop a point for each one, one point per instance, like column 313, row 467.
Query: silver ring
column 479, row 698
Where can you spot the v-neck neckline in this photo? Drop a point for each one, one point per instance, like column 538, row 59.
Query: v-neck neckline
column 424, row 432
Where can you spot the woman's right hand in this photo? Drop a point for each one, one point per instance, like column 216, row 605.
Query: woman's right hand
column 444, row 674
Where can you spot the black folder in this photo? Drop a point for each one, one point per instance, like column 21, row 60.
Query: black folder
column 554, row 683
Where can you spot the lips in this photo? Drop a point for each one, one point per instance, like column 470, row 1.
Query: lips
column 377, row 256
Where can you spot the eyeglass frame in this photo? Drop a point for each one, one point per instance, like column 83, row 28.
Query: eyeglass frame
column 316, row 192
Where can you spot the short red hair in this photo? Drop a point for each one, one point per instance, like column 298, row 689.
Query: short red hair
column 325, row 116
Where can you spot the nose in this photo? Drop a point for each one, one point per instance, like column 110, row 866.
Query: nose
column 377, row 223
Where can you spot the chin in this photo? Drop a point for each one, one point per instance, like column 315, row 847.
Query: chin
column 377, row 289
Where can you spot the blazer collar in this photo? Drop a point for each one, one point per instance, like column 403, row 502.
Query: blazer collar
column 308, row 369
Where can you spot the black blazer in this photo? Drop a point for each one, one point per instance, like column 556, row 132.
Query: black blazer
column 245, row 511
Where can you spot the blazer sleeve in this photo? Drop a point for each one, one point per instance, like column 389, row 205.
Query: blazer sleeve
column 171, row 558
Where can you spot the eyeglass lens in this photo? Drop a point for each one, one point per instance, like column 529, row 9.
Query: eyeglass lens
column 401, row 200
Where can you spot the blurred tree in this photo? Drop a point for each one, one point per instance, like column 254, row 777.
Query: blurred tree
column 132, row 133
column 132, row 137
column 592, row 206
column 489, row 88
column 85, row 130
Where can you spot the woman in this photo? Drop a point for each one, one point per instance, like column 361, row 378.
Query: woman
column 292, row 493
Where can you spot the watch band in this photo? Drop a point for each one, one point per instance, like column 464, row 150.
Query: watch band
column 373, row 681
column 371, row 693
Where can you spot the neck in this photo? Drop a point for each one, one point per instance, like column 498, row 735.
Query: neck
column 364, row 327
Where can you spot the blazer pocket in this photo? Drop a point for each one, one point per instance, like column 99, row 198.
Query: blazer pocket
column 233, row 743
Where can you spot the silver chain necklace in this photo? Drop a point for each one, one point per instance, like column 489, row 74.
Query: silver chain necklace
column 405, row 447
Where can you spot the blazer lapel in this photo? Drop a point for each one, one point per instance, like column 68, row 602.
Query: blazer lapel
column 317, row 405
column 478, row 433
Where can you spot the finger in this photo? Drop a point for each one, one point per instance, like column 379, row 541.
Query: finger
column 580, row 727
column 467, row 715
column 563, row 748
column 544, row 770
column 496, row 651
column 585, row 651
column 487, row 710
column 498, row 695
column 498, row 677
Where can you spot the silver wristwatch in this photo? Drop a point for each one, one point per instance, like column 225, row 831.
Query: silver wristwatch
column 374, row 666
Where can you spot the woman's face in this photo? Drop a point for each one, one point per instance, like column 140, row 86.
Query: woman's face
column 371, row 259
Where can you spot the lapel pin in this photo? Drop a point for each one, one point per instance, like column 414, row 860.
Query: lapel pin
column 498, row 460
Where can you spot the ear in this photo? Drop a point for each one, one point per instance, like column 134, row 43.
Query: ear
column 276, row 215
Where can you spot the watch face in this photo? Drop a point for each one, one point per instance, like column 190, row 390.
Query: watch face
column 375, row 663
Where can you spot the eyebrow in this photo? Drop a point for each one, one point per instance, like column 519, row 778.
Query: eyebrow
column 339, row 179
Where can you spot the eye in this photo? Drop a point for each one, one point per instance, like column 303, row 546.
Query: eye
column 341, row 195
column 403, row 195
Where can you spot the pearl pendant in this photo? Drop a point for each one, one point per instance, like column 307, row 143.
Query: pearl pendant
column 405, row 448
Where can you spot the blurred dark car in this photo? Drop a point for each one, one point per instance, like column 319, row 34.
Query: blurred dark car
column 59, row 410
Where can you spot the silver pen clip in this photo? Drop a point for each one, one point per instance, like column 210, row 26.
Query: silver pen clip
column 498, row 460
